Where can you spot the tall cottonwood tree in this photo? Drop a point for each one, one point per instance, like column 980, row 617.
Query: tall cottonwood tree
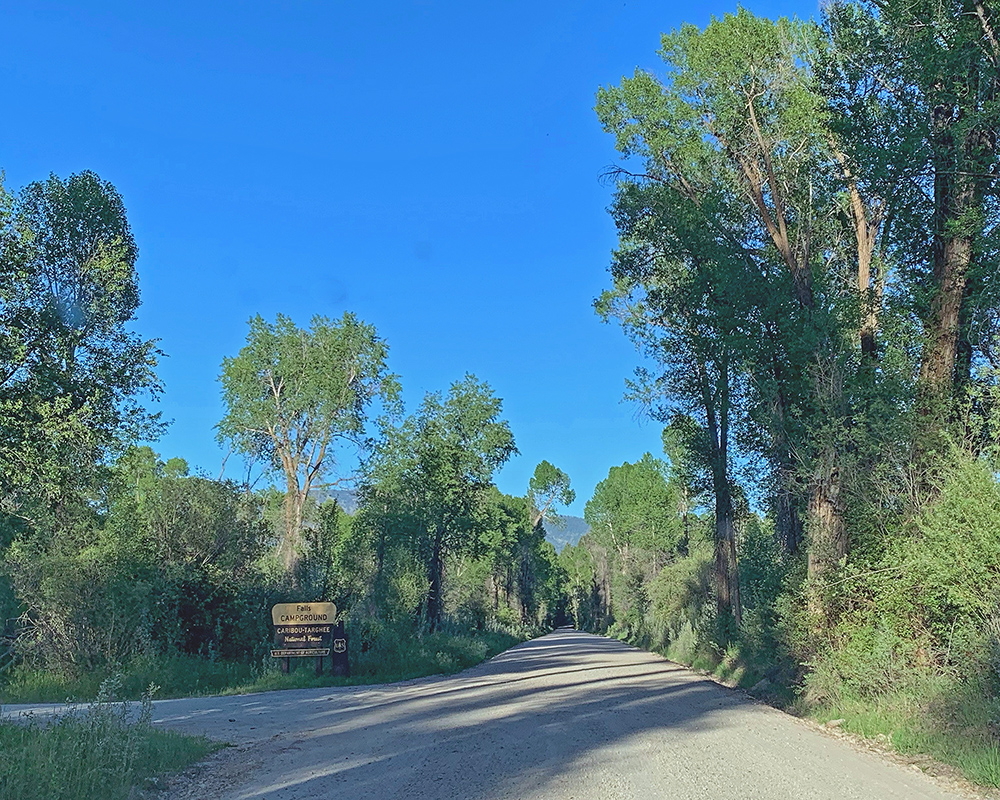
column 580, row 584
column 71, row 371
column 953, row 62
column 633, row 519
column 521, row 561
column 943, row 74
column 548, row 487
column 912, row 90
column 680, row 294
column 430, row 477
column 292, row 394
column 878, row 145
column 634, row 509
column 738, row 124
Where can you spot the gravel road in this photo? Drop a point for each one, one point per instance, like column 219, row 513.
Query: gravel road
column 565, row 716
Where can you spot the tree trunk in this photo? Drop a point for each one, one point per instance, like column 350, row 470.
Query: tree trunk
column 788, row 519
column 526, row 599
column 435, row 602
column 827, row 532
column 288, row 551
column 964, row 350
column 727, row 584
column 788, row 522
column 867, row 224
column 716, row 404
column 957, row 221
column 952, row 256
column 493, row 589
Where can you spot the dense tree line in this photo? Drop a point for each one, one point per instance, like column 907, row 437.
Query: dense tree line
column 807, row 258
column 807, row 218
column 110, row 553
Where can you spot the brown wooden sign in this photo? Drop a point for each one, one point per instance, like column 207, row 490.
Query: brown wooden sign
column 303, row 635
column 303, row 629
column 303, row 614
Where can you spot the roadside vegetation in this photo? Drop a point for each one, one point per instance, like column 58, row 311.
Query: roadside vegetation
column 117, row 563
column 121, row 568
column 105, row 750
column 808, row 262
column 807, row 214
column 409, row 656
column 869, row 671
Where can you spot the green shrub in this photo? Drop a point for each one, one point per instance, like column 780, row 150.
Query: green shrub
column 912, row 649
column 871, row 659
column 400, row 654
column 680, row 590
column 950, row 564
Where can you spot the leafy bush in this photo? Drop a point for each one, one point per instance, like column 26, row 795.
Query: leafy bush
column 680, row 597
column 950, row 564
column 870, row 661
column 86, row 609
column 925, row 606
column 399, row 653
column 913, row 650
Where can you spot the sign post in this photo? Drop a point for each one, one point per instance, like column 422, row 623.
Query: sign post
column 302, row 630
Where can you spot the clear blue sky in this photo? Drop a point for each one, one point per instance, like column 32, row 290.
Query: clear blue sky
column 432, row 166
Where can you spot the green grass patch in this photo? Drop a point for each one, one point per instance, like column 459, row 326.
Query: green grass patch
column 175, row 675
column 391, row 659
column 905, row 722
column 386, row 658
column 102, row 751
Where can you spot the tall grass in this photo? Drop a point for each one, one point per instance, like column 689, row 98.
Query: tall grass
column 104, row 750
column 176, row 675
column 390, row 658
column 905, row 721
column 382, row 657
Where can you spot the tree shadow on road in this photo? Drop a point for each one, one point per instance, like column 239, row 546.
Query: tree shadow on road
column 506, row 728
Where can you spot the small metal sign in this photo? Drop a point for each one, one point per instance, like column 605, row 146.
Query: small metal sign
column 340, row 645
column 305, row 651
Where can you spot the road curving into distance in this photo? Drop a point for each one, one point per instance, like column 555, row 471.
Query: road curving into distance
column 568, row 716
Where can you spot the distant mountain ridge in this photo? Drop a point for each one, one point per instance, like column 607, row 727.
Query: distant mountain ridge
column 347, row 499
column 567, row 531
